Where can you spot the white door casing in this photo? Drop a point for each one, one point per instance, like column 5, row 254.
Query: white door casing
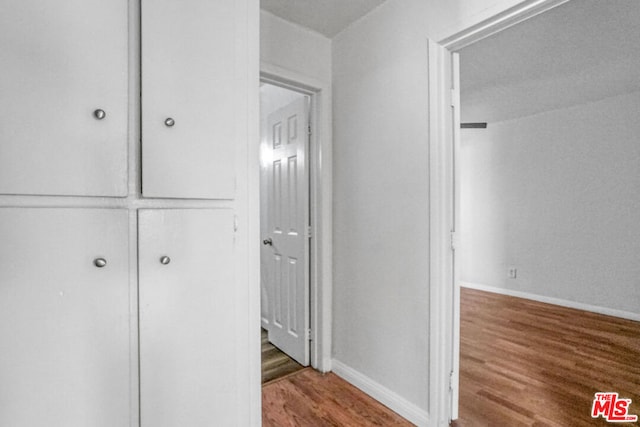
column 443, row 374
column 455, row 331
column 61, row 62
column 285, row 248
column 64, row 322
column 189, row 372
column 320, row 204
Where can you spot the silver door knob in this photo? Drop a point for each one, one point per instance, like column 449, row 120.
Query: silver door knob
column 267, row 241
column 165, row 260
column 169, row 122
column 99, row 114
column 100, row 262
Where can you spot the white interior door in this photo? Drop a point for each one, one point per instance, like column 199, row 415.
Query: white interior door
column 64, row 321
column 188, row 339
column 285, row 249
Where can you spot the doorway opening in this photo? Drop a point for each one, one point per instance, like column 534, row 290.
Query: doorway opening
column 285, row 230
column 517, row 230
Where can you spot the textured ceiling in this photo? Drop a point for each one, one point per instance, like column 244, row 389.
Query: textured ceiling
column 582, row 51
column 327, row 17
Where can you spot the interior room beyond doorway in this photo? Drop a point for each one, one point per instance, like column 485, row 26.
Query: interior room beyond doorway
column 546, row 202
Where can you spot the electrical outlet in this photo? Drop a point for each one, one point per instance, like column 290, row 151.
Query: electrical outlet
column 512, row 272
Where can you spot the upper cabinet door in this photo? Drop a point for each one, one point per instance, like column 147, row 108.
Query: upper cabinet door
column 61, row 62
column 190, row 52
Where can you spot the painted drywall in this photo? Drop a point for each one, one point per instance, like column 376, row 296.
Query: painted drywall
column 327, row 17
column 381, row 189
column 294, row 48
column 503, row 76
column 556, row 196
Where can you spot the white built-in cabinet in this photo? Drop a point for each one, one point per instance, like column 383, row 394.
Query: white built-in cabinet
column 63, row 97
column 64, row 322
column 117, row 310
column 64, row 103
column 188, row 363
column 190, row 98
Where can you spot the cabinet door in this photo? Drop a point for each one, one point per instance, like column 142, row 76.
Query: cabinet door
column 189, row 76
column 64, row 323
column 188, row 338
column 61, row 61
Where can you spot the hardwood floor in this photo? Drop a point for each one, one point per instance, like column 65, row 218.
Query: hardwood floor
column 309, row 398
column 275, row 363
column 525, row 363
column 522, row 363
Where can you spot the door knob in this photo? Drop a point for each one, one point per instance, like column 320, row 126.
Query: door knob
column 165, row 260
column 169, row 122
column 267, row 241
column 100, row 262
column 99, row 114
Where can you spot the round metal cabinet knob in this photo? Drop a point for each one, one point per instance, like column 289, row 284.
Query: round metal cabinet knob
column 99, row 114
column 100, row 262
column 165, row 260
column 169, row 122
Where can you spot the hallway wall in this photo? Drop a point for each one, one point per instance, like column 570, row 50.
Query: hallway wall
column 294, row 48
column 381, row 195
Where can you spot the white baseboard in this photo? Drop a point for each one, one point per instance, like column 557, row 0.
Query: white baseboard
column 382, row 394
column 557, row 301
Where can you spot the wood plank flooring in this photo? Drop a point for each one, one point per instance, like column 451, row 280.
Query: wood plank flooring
column 525, row 363
column 522, row 363
column 309, row 398
column 275, row 363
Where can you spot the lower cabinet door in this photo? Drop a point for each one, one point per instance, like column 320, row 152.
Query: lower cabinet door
column 64, row 318
column 188, row 356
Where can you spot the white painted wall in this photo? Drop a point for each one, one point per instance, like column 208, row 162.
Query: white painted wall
column 294, row 48
column 381, row 182
column 556, row 195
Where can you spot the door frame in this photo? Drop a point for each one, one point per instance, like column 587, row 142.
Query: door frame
column 444, row 328
column 320, row 206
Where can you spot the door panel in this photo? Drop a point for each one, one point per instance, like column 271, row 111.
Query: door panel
column 64, row 323
column 60, row 62
column 188, row 352
column 287, row 219
column 189, row 74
